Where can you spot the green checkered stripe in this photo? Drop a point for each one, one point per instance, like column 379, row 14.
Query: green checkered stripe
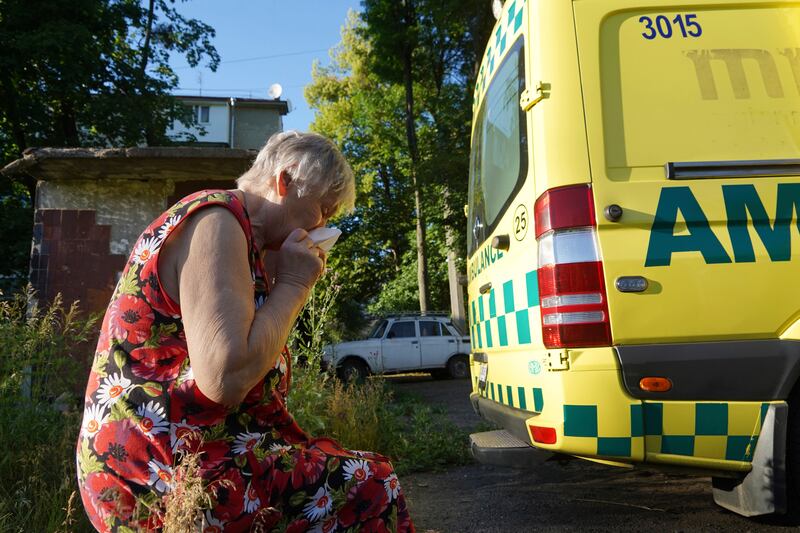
column 711, row 420
column 647, row 420
column 505, row 30
column 581, row 421
column 491, row 313
column 526, row 398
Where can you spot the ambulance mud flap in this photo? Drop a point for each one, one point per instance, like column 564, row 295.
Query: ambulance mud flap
column 763, row 490
column 505, row 447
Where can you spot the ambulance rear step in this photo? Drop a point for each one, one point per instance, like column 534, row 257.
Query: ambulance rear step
column 501, row 448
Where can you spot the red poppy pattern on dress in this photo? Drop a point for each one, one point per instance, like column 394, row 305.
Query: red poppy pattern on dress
column 143, row 410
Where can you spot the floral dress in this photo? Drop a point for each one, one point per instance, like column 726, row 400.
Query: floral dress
column 143, row 411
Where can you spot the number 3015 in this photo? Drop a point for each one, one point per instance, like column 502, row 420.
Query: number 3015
column 662, row 26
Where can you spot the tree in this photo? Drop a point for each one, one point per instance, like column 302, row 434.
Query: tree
column 393, row 30
column 362, row 102
column 88, row 73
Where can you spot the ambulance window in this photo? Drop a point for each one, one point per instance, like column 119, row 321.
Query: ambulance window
column 499, row 158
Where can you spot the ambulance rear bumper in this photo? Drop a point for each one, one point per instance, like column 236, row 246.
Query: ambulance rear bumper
column 512, row 420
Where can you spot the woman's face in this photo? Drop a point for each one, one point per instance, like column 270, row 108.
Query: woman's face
column 307, row 212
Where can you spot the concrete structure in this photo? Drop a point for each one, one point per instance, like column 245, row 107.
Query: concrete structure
column 92, row 204
column 232, row 122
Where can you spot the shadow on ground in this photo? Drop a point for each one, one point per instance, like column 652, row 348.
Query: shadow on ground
column 559, row 495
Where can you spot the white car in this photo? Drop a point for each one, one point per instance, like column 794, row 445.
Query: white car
column 403, row 344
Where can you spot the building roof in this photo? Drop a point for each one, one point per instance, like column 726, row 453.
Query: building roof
column 281, row 105
column 177, row 163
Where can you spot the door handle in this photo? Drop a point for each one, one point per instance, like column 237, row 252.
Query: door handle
column 501, row 242
column 486, row 287
column 414, row 342
column 451, row 340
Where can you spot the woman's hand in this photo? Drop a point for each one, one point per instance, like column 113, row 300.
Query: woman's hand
column 299, row 261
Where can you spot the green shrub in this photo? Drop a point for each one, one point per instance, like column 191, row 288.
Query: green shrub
column 368, row 416
column 39, row 414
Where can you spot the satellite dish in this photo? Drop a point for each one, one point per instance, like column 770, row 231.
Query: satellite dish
column 275, row 90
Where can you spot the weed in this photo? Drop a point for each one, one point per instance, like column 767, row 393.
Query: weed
column 185, row 503
column 38, row 414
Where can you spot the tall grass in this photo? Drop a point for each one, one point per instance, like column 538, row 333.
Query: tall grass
column 369, row 416
column 39, row 415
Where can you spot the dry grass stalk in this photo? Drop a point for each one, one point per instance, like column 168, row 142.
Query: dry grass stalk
column 185, row 503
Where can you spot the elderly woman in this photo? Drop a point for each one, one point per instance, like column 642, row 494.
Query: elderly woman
column 192, row 358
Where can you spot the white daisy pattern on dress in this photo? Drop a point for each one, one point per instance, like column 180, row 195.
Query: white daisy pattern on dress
column 356, row 468
column 145, row 250
column 160, row 476
column 152, row 419
column 329, row 524
column 179, row 432
column 94, row 416
column 112, row 389
column 276, row 447
column 320, row 504
column 245, row 442
column 392, row 486
column 251, row 500
column 211, row 524
column 167, row 227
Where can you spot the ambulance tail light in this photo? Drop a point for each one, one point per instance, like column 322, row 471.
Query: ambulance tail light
column 572, row 294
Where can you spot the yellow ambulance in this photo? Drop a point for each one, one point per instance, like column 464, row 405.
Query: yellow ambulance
column 633, row 240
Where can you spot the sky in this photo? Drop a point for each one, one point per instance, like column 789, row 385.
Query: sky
column 286, row 37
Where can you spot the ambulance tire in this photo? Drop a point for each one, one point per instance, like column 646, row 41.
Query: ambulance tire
column 793, row 459
column 458, row 367
column 353, row 370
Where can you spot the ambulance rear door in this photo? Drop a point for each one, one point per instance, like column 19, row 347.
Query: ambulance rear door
column 693, row 122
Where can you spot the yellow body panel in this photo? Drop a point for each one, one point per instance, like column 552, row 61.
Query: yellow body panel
column 611, row 111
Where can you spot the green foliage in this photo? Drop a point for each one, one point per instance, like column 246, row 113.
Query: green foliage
column 16, row 219
column 39, row 378
column 369, row 416
column 39, row 350
column 92, row 72
column 360, row 102
column 84, row 73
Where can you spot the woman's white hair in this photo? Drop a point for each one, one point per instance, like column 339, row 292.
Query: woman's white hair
column 316, row 165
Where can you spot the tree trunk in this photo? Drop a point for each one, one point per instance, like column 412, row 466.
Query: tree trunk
column 409, row 16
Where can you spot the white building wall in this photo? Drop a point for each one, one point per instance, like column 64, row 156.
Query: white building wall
column 217, row 129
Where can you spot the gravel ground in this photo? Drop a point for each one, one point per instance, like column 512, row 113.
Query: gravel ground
column 565, row 495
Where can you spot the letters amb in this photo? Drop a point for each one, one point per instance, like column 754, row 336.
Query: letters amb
column 742, row 204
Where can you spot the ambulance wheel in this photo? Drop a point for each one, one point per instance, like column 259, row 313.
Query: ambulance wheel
column 353, row 370
column 458, row 367
column 793, row 459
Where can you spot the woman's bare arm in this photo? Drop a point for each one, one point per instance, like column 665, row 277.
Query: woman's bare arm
column 231, row 344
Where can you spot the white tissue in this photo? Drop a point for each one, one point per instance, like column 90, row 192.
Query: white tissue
column 324, row 238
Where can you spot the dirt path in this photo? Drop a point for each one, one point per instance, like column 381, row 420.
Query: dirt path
column 572, row 495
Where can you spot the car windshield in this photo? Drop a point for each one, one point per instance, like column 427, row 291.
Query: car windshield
column 455, row 328
column 377, row 330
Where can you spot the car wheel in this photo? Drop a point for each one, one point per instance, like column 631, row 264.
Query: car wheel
column 353, row 370
column 458, row 367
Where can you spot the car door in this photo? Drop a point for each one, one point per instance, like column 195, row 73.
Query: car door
column 400, row 346
column 435, row 345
